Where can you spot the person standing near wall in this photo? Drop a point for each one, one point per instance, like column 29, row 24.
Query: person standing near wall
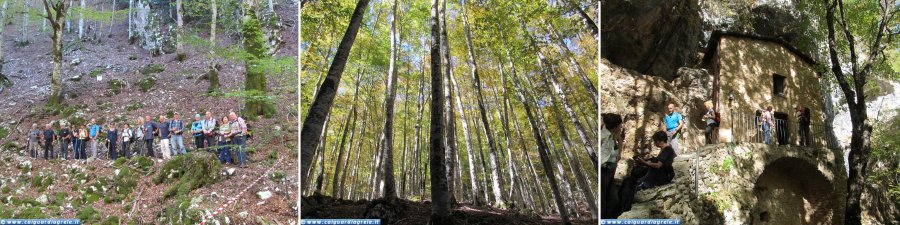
column 711, row 123
column 611, row 124
column 672, row 124
column 803, row 117
column 768, row 122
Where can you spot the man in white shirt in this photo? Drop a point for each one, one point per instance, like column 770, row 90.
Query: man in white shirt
column 610, row 153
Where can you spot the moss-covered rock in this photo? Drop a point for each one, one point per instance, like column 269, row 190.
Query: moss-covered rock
column 188, row 172
column 134, row 106
column 96, row 72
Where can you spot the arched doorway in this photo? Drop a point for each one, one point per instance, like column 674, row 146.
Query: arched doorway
column 793, row 191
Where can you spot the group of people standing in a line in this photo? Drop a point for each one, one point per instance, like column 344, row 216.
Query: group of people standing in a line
column 85, row 140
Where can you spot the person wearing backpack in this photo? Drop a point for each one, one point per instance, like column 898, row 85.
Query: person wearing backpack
column 197, row 131
column 81, row 140
column 238, row 131
column 712, row 123
column 176, row 126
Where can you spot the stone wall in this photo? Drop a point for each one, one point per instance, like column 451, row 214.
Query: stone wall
column 750, row 183
column 746, row 72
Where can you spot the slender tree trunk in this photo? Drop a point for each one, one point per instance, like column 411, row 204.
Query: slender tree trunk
column 179, row 37
column 403, row 163
column 450, row 119
column 540, row 188
column 81, row 19
column 496, row 179
column 212, row 25
column 313, row 124
column 321, row 170
column 440, row 192
column 2, row 28
column 542, row 146
column 68, row 22
column 390, row 192
column 130, row 17
column 573, row 64
column 111, row 16
column 362, row 135
column 484, row 167
column 339, row 163
column 465, row 126
column 25, row 21
column 340, row 173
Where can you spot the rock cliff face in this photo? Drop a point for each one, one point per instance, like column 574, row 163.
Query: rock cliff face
column 657, row 37
column 652, row 37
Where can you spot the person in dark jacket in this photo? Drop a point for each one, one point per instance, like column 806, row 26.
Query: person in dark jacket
column 65, row 138
column 48, row 136
column 149, row 129
column 112, row 139
column 660, row 168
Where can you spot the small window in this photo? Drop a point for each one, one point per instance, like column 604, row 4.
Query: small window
column 778, row 85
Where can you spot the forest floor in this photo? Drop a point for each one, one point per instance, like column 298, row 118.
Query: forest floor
column 90, row 189
column 417, row 212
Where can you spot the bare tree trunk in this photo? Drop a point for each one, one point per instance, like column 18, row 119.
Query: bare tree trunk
column 440, row 192
column 212, row 25
column 362, row 135
column 473, row 178
column 450, row 119
column 542, row 146
column 484, row 167
column 339, row 163
column 25, row 21
column 321, row 167
column 390, row 192
column 179, row 37
column 56, row 13
column 495, row 173
column 81, row 19
column 130, row 17
column 540, row 188
column 313, row 124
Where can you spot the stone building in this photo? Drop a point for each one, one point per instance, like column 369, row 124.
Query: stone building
column 750, row 73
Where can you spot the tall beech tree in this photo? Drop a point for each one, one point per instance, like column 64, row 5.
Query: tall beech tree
column 55, row 13
column 315, row 120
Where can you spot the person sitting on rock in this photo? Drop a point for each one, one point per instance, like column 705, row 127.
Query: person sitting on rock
column 660, row 171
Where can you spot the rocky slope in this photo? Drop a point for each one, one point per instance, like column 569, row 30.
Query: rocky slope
column 108, row 78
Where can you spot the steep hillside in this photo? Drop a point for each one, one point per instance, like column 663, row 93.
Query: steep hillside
column 108, row 78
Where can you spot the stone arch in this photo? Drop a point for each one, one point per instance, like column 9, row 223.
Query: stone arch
column 792, row 190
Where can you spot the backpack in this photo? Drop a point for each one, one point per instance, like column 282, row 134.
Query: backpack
column 718, row 118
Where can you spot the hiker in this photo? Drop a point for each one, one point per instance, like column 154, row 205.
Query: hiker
column 94, row 132
column 139, row 136
column 48, row 136
column 34, row 141
column 197, row 131
column 82, row 142
column 611, row 126
column 164, row 137
column 660, row 171
column 126, row 140
column 672, row 124
column 767, row 124
column 65, row 138
column 149, row 129
column 176, row 126
column 209, row 125
column 712, row 123
column 112, row 139
column 224, row 141
column 238, row 138
column 803, row 116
